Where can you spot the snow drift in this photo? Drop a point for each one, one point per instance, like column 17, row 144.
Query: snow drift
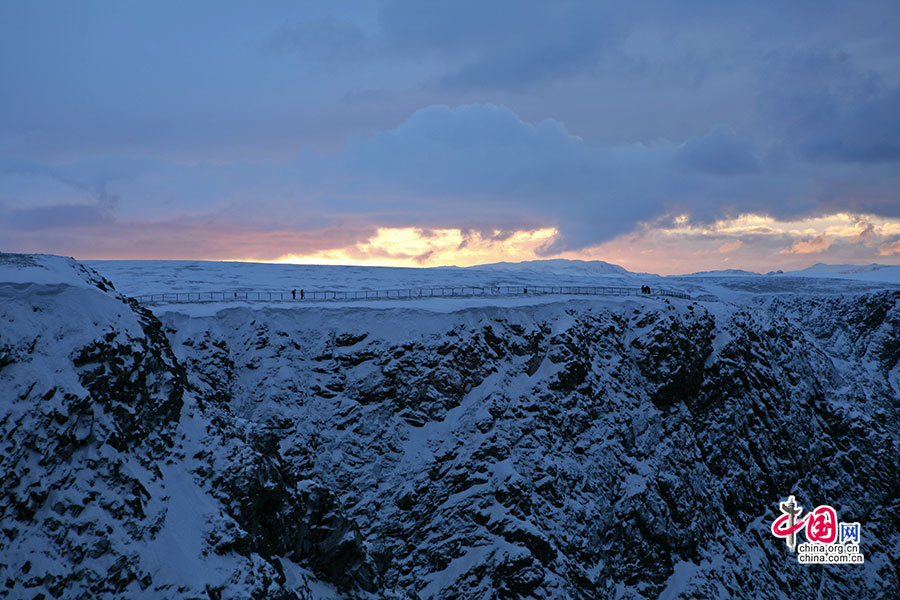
column 632, row 448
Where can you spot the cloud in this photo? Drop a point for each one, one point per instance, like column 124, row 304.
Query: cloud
column 591, row 119
column 615, row 72
column 719, row 152
column 891, row 249
column 865, row 128
column 829, row 109
column 764, row 244
column 815, row 245
column 475, row 149
column 199, row 238
column 729, row 247
column 491, row 164
column 867, row 233
column 412, row 246
column 45, row 218
column 494, row 168
column 503, row 45
column 89, row 178
column 479, row 168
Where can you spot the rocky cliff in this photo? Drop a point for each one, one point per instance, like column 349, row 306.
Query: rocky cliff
column 583, row 449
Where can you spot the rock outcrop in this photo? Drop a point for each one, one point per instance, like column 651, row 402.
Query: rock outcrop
column 589, row 449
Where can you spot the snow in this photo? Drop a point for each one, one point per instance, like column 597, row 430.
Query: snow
column 148, row 277
column 558, row 266
column 137, row 278
column 44, row 269
column 871, row 273
column 369, row 454
column 678, row 582
column 457, row 568
column 722, row 273
column 435, row 305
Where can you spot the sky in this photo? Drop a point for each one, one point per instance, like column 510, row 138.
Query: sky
column 665, row 137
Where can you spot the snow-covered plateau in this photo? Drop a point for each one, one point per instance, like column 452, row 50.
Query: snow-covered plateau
column 524, row 446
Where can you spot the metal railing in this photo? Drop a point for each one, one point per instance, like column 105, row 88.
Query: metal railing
column 398, row 294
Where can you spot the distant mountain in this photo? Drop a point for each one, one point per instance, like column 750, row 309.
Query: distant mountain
column 723, row 273
column 873, row 272
column 558, row 266
column 846, row 269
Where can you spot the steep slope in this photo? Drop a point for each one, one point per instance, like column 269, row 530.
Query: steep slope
column 629, row 448
column 581, row 450
column 103, row 491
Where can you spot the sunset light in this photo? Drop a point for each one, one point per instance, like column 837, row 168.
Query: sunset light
column 457, row 299
column 749, row 241
column 415, row 247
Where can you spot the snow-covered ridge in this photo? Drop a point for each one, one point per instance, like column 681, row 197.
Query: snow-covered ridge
column 558, row 266
column 583, row 448
column 46, row 269
column 723, row 273
column 823, row 267
column 151, row 277
column 236, row 281
column 232, row 281
column 873, row 272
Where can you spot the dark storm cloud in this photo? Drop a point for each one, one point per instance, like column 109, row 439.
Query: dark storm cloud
column 864, row 189
column 592, row 117
column 88, row 203
column 720, row 152
column 505, row 44
column 481, row 166
column 54, row 217
column 477, row 149
column 864, row 130
column 489, row 161
column 830, row 109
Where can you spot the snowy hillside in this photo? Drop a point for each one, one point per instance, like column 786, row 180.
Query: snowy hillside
column 723, row 273
column 558, row 267
column 874, row 272
column 148, row 277
column 136, row 278
column 632, row 447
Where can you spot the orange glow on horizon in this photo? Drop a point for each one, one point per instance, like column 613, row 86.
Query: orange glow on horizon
column 418, row 247
column 751, row 241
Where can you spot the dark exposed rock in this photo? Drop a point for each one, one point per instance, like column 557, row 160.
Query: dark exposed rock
column 554, row 452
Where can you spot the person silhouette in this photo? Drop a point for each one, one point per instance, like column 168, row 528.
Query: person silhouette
column 301, row 294
column 294, row 294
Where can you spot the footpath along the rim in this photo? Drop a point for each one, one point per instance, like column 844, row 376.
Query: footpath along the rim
column 399, row 294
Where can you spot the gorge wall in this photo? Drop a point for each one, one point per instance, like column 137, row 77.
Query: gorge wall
column 584, row 449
